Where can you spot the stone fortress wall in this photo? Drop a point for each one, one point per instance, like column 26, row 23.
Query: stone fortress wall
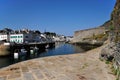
column 81, row 34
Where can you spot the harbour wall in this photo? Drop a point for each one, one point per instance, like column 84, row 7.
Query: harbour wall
column 82, row 34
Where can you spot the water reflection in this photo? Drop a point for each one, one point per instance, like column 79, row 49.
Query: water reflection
column 62, row 49
column 4, row 62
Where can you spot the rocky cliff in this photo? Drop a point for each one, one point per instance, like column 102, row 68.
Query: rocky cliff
column 112, row 50
column 115, row 16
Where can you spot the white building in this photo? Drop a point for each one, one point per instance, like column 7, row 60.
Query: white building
column 21, row 38
column 69, row 38
column 18, row 38
column 4, row 37
column 56, row 38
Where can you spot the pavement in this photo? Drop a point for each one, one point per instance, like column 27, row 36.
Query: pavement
column 81, row 66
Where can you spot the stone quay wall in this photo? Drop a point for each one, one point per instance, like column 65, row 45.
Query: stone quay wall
column 4, row 50
column 81, row 34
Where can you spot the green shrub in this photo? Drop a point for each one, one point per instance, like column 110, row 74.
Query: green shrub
column 107, row 62
column 111, row 28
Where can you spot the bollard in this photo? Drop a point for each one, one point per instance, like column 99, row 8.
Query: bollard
column 16, row 55
column 31, row 52
column 36, row 50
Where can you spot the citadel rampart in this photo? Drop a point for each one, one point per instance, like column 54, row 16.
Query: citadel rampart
column 82, row 34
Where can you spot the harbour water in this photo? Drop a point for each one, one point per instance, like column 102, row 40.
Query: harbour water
column 59, row 49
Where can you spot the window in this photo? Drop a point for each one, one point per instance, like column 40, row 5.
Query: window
column 26, row 36
column 14, row 36
column 19, row 36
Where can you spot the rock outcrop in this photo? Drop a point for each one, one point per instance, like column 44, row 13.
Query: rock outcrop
column 108, row 52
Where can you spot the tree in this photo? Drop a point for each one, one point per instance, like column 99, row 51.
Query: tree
column 37, row 32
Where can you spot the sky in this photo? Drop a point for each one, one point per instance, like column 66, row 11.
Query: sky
column 59, row 16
